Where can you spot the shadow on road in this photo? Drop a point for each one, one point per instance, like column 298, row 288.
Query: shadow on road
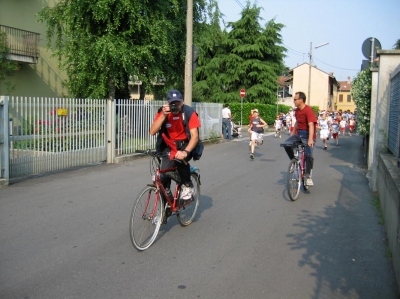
column 343, row 250
column 205, row 204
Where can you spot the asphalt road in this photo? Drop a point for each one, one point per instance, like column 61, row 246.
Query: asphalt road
column 65, row 235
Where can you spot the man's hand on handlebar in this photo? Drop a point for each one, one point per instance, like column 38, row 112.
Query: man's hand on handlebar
column 181, row 155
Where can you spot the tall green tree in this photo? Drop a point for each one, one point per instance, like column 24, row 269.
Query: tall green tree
column 396, row 46
column 249, row 56
column 7, row 66
column 103, row 44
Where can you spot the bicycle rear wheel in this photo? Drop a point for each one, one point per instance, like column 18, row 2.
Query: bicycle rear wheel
column 293, row 180
column 188, row 208
column 146, row 218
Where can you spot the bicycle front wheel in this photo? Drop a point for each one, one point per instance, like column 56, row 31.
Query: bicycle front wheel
column 146, row 218
column 293, row 180
column 188, row 208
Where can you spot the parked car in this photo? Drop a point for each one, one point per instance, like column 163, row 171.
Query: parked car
column 213, row 124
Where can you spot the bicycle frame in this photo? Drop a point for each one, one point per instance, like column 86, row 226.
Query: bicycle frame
column 160, row 187
column 172, row 204
column 301, row 152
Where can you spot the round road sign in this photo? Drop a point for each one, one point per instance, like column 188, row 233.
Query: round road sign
column 242, row 93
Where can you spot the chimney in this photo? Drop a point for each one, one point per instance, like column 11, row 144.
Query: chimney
column 348, row 80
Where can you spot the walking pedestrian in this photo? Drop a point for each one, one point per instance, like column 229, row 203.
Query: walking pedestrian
column 226, row 122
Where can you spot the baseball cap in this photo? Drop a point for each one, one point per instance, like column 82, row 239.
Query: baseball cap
column 255, row 110
column 174, row 95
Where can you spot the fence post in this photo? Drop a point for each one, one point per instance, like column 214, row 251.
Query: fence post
column 4, row 148
column 111, row 134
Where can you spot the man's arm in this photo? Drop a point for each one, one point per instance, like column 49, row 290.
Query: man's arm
column 156, row 126
column 294, row 129
column 310, row 134
column 194, row 138
column 264, row 122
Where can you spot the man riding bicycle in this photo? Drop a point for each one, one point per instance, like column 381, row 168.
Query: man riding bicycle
column 170, row 120
column 305, row 131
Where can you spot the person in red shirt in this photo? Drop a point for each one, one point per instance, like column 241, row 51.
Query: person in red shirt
column 170, row 116
column 304, row 130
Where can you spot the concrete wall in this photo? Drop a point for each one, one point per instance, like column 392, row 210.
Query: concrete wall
column 388, row 61
column 372, row 130
column 384, row 175
column 319, row 95
column 43, row 79
column 388, row 184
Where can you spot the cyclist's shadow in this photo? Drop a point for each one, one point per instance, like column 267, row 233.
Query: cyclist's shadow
column 283, row 181
column 205, row 204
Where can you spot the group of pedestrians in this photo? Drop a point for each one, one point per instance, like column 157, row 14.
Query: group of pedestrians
column 333, row 124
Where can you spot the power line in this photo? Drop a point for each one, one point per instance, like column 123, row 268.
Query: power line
column 294, row 49
column 240, row 4
column 335, row 66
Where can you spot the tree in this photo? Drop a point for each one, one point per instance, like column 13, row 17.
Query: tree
column 250, row 56
column 101, row 44
column 396, row 46
column 7, row 66
column 361, row 93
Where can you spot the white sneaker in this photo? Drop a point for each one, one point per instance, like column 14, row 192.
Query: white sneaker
column 186, row 192
column 250, row 143
column 309, row 182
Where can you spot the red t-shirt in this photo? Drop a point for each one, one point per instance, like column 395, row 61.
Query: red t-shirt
column 305, row 116
column 175, row 127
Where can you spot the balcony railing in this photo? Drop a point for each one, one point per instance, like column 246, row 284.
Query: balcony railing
column 23, row 45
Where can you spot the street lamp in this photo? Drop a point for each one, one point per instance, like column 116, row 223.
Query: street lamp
column 277, row 100
column 309, row 69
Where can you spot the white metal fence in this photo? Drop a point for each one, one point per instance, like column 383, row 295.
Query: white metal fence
column 47, row 134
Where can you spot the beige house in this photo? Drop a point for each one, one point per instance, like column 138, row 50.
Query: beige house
column 344, row 100
column 324, row 87
column 38, row 73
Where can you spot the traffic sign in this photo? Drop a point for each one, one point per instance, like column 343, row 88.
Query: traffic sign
column 242, row 93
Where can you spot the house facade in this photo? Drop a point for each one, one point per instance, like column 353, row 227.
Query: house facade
column 323, row 87
column 344, row 100
column 38, row 73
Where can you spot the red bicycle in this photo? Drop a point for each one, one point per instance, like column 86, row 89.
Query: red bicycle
column 296, row 172
column 154, row 205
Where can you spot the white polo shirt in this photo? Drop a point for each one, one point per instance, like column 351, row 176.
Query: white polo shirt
column 226, row 113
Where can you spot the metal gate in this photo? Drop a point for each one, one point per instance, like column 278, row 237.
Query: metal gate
column 47, row 134
column 394, row 114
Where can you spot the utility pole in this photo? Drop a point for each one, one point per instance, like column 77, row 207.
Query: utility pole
column 309, row 75
column 189, row 49
column 309, row 70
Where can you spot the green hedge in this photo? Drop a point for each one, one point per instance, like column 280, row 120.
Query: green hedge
column 267, row 111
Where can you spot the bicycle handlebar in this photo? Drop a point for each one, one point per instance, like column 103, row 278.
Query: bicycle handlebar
column 153, row 153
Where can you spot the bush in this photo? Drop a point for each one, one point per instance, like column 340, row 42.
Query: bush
column 267, row 111
column 361, row 93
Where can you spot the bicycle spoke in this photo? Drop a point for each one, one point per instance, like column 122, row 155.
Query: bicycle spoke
column 146, row 218
column 188, row 209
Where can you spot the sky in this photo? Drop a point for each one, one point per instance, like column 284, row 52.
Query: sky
column 344, row 24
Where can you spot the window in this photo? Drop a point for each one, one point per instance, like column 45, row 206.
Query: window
column 340, row 98
column 348, row 98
